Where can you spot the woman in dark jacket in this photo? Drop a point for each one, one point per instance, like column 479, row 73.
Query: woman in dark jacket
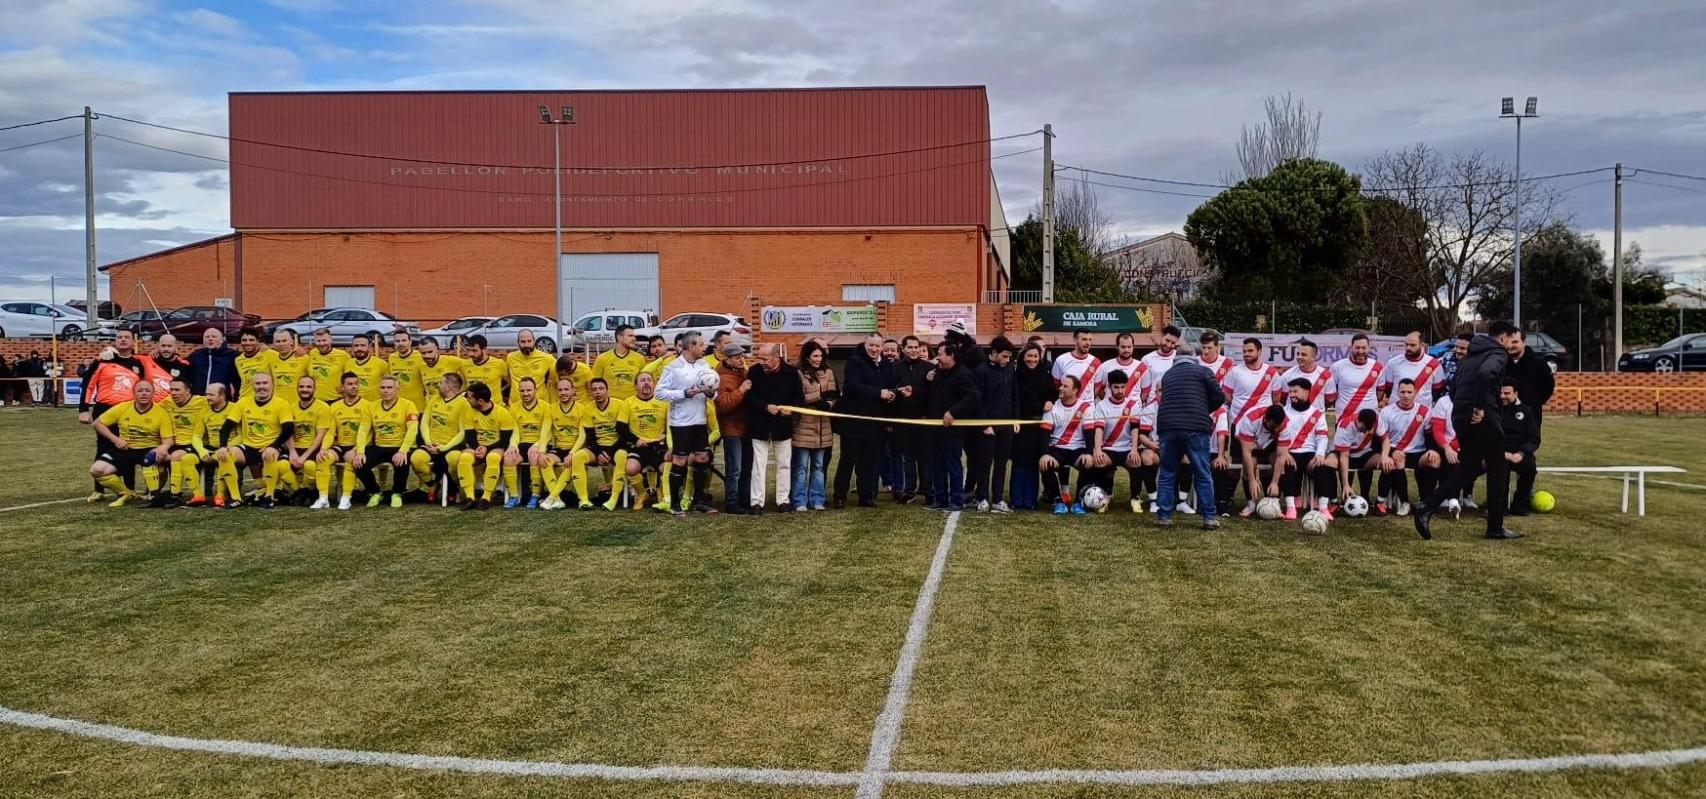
column 1036, row 395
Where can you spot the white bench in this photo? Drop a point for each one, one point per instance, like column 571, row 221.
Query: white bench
column 1635, row 474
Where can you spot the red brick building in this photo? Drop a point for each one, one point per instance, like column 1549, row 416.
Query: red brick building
column 434, row 205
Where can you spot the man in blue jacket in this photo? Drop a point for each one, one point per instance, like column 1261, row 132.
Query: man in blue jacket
column 1185, row 426
column 214, row 363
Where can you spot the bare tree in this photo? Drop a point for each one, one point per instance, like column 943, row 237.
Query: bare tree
column 1290, row 131
column 1162, row 269
column 1078, row 209
column 1465, row 206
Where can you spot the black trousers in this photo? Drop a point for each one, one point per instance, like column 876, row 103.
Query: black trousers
column 1525, row 472
column 990, row 453
column 1482, row 452
column 377, row 456
column 1291, row 480
column 858, row 454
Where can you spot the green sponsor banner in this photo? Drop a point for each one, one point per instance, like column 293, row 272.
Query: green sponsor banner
column 1095, row 318
column 819, row 319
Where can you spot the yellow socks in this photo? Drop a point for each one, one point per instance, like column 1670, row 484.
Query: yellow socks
column 113, row 483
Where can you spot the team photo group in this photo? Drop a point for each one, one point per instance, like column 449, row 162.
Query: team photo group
column 960, row 425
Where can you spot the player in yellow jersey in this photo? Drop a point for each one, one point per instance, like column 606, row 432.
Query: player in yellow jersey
column 442, row 434
column 289, row 364
column 481, row 367
column 252, row 358
column 658, row 356
column 368, row 368
column 604, row 437
column 350, row 423
column 405, row 365
column 621, row 365
column 213, row 447
column 528, row 361
column 326, row 364
column 490, row 428
column 553, row 453
column 186, row 410
column 140, row 432
column 576, row 370
column 648, row 420
column 529, row 413
column 396, row 429
column 435, row 365
column 264, row 424
column 308, row 423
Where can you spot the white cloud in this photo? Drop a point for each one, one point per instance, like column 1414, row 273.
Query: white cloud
column 213, row 22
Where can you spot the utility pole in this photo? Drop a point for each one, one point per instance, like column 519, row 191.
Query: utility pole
column 1048, row 213
column 89, row 285
column 1617, row 264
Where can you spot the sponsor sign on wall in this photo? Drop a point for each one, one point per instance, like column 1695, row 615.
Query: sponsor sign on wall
column 819, row 319
column 932, row 319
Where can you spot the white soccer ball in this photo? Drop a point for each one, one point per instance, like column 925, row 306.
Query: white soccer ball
column 1315, row 522
column 1093, row 498
column 1268, row 508
column 710, row 381
column 1356, row 506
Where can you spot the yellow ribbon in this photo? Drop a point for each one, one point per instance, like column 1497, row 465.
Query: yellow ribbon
column 917, row 422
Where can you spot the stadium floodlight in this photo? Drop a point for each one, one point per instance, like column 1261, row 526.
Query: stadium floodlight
column 569, row 112
column 568, row 118
column 544, row 115
column 1507, row 110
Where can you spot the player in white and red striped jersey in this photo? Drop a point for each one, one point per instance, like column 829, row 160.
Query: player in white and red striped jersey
column 1416, row 365
column 1077, row 362
column 1440, row 461
column 1154, row 365
column 1213, row 360
column 1254, row 383
column 1121, row 415
column 1355, row 383
column 1406, row 422
column 1125, row 344
column 1227, row 462
column 1299, row 439
column 1309, row 368
column 1357, row 449
column 1072, row 429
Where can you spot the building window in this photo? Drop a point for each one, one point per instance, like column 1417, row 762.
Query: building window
column 349, row 297
column 867, row 292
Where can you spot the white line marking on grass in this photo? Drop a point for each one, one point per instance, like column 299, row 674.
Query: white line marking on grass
column 41, row 504
column 886, row 734
column 1650, row 481
column 775, row 776
column 469, row 765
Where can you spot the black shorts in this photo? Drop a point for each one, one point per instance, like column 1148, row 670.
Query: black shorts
column 123, row 459
column 176, row 448
column 251, row 456
column 1261, row 455
column 561, row 454
column 690, row 439
column 525, row 450
column 338, row 450
column 1364, row 462
column 377, row 455
column 649, row 455
column 1067, row 457
column 1116, row 458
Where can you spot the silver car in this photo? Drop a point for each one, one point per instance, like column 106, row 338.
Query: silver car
column 455, row 330
column 501, row 332
column 705, row 323
column 597, row 330
column 348, row 323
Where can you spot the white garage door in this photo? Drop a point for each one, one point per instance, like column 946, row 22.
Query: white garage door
column 349, row 296
column 595, row 281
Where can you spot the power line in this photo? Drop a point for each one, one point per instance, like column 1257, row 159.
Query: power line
column 1145, row 189
column 1668, row 174
column 41, row 122
column 392, row 185
column 39, row 143
column 1365, row 190
column 1665, row 185
column 547, row 168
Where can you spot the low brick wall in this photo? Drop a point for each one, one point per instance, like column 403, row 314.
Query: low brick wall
column 1587, row 393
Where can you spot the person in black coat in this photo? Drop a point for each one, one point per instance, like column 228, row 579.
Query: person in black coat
column 912, row 382
column 214, row 363
column 769, row 426
column 1034, row 393
column 867, row 389
column 1476, row 415
column 998, row 392
column 1521, row 423
column 1535, row 382
column 953, row 395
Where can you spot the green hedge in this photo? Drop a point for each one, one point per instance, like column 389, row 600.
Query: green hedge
column 1647, row 325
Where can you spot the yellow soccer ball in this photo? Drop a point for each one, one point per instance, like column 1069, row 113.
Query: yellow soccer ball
column 1544, row 502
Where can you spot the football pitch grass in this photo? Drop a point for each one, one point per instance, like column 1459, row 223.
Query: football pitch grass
column 634, row 640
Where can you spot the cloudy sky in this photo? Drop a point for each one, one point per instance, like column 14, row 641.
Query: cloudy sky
column 1149, row 88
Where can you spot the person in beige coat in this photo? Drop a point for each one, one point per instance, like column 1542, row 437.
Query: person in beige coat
column 813, row 438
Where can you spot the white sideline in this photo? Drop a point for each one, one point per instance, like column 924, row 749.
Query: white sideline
column 886, row 734
column 771, row 776
column 40, row 504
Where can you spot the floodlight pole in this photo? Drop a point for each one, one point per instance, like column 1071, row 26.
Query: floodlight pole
column 568, row 118
column 90, row 286
column 1508, row 111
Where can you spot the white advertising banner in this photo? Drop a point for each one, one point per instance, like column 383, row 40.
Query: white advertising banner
column 932, row 319
column 1280, row 349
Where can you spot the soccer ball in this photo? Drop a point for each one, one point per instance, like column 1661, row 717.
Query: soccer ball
column 1268, row 508
column 1315, row 522
column 1543, row 501
column 1356, row 506
column 710, row 381
column 1093, row 498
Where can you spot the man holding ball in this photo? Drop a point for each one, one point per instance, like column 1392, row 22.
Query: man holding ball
column 686, row 385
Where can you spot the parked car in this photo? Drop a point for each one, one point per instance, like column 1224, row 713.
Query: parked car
column 502, row 332
column 1547, row 347
column 448, row 334
column 1680, row 354
column 105, row 309
column 598, row 328
column 705, row 324
column 191, row 321
column 348, row 323
column 307, row 316
column 31, row 319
